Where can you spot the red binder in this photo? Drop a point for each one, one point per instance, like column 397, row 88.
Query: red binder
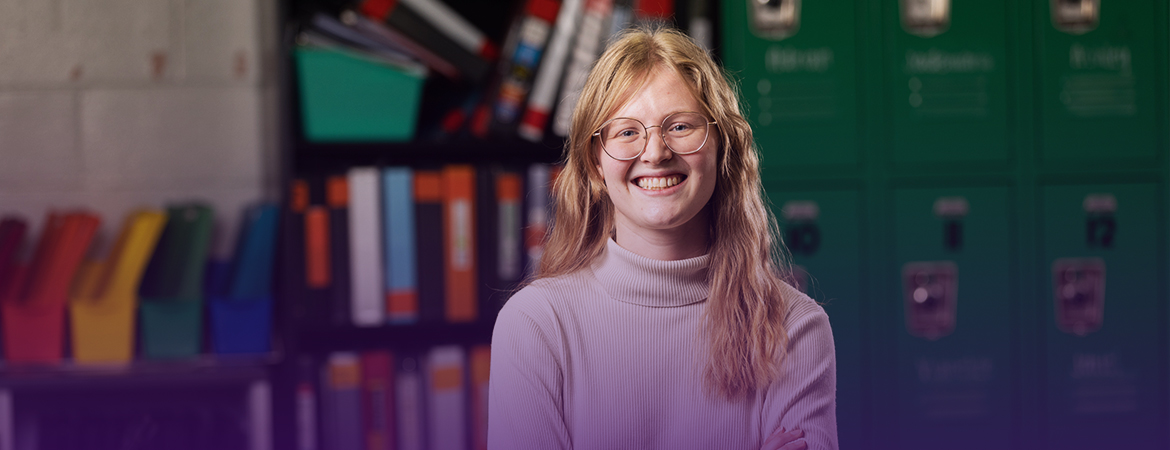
column 459, row 242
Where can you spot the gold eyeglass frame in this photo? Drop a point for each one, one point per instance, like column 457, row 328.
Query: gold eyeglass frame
column 661, row 135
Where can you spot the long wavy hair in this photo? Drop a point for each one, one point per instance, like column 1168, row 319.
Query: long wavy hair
column 745, row 339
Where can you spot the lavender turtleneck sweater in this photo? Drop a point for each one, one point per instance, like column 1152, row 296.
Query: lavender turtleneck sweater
column 609, row 358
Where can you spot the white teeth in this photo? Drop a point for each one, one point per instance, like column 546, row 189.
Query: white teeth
column 658, row 183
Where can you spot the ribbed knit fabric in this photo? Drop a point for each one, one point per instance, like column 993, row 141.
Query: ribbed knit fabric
column 610, row 358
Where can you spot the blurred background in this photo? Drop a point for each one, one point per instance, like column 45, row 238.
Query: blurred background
column 289, row 224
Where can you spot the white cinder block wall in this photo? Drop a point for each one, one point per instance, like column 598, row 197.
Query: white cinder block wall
column 113, row 105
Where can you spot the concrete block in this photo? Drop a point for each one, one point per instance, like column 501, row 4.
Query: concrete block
column 38, row 135
column 123, row 40
column 221, row 41
column 172, row 138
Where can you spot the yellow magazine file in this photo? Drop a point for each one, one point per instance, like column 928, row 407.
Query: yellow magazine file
column 105, row 301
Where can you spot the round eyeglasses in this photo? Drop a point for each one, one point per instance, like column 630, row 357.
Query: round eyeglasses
column 625, row 138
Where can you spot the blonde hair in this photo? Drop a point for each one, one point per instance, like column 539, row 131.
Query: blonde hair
column 745, row 339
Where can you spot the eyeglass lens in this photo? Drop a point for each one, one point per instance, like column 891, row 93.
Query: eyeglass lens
column 625, row 138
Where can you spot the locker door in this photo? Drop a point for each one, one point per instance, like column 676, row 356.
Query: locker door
column 946, row 80
column 822, row 233
column 953, row 265
column 1101, row 292
column 797, row 64
column 1097, row 80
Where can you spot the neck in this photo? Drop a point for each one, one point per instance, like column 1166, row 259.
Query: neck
column 688, row 240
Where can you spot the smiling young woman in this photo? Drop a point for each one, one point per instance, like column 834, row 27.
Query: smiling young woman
column 659, row 317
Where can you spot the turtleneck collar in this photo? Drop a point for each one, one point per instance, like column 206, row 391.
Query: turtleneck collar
column 632, row 278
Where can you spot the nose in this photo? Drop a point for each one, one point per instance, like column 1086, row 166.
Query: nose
column 656, row 150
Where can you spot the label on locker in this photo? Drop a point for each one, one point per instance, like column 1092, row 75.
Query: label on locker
column 1079, row 288
column 930, row 291
column 926, row 18
column 1075, row 16
column 774, row 19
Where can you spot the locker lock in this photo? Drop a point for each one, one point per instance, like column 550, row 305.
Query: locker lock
column 1075, row 16
column 801, row 233
column 774, row 19
column 1078, row 286
column 929, row 290
column 952, row 210
column 1100, row 223
column 925, row 18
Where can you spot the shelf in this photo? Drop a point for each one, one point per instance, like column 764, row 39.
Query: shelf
column 205, row 371
column 414, row 337
column 327, row 156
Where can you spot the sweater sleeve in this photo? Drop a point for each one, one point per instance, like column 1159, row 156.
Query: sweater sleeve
column 525, row 387
column 805, row 395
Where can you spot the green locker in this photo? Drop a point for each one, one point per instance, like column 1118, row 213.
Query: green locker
column 946, row 83
column 1097, row 69
column 953, row 262
column 797, row 64
column 821, row 231
column 1100, row 272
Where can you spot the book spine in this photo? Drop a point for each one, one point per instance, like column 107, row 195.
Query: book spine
column 535, row 28
column 401, row 276
column 429, row 255
column 377, row 399
column 481, row 361
column 365, row 231
column 446, row 392
column 454, row 26
column 544, row 88
column 459, row 243
column 585, row 52
column 344, row 418
column 409, row 401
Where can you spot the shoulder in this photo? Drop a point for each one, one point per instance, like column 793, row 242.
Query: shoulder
column 805, row 318
column 543, row 300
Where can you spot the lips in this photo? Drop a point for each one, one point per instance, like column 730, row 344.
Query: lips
column 659, row 183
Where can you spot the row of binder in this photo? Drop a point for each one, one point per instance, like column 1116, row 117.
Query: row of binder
column 395, row 245
column 382, row 400
column 149, row 292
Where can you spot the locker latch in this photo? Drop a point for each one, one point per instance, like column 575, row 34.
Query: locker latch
column 930, row 292
column 1078, row 286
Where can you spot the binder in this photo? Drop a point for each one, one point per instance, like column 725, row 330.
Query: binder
column 544, row 88
column 481, row 362
column 391, row 37
column 588, row 46
column 410, row 404
column 241, row 311
column 500, row 235
column 343, row 403
column 459, row 243
column 378, row 399
column 537, row 215
column 535, row 26
column 344, row 96
column 429, row 255
column 307, row 418
column 172, row 288
column 340, row 295
column 398, row 220
column 446, row 408
column 365, row 256
column 102, row 309
column 406, row 18
column 34, row 318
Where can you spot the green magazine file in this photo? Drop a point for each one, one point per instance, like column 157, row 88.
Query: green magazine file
column 172, row 288
column 347, row 97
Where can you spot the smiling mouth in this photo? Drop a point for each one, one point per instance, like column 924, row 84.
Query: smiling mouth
column 659, row 183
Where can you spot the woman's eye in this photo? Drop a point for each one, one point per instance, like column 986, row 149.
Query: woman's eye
column 680, row 127
column 626, row 133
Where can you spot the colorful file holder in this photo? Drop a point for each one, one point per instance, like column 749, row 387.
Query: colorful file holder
column 171, row 294
column 240, row 293
column 34, row 310
column 102, row 309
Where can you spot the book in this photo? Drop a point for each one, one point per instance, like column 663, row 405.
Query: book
column 499, row 214
column 307, row 422
column 410, row 406
column 429, row 253
column 365, row 237
column 548, row 78
column 342, row 395
column 414, row 24
column 537, row 215
column 586, row 49
column 481, row 362
column 378, row 399
column 326, row 31
column 446, row 398
column 459, row 226
column 103, row 307
column 399, row 240
column 339, row 291
column 393, row 38
column 535, row 27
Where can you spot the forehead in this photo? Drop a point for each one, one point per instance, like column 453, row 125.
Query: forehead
column 657, row 94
